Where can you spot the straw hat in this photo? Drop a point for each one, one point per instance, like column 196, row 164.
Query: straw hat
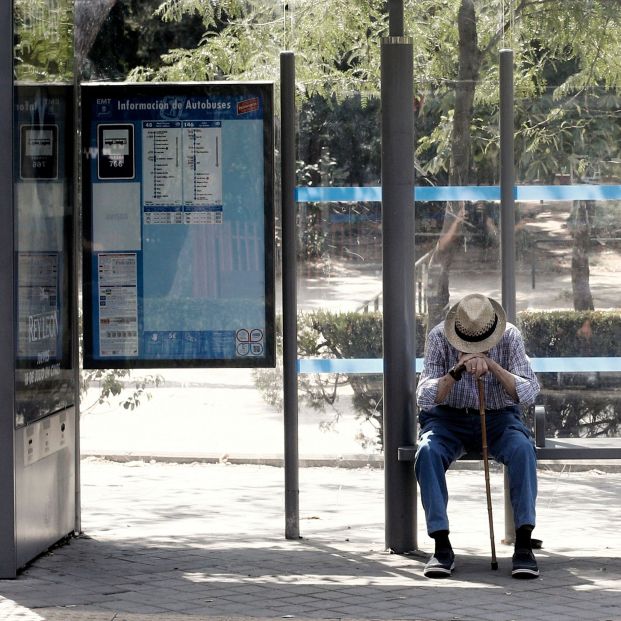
column 475, row 324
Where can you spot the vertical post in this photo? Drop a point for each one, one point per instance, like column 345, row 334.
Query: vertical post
column 75, row 302
column 507, row 184
column 398, row 288
column 507, row 225
column 395, row 18
column 8, row 552
column 289, row 293
column 77, row 267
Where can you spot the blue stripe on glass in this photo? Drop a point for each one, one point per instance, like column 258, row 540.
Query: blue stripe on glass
column 336, row 194
column 340, row 365
column 576, row 365
column 376, row 365
column 457, row 193
column 463, row 193
column 569, row 193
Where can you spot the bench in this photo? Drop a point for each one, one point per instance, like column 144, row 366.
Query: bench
column 558, row 449
column 547, row 449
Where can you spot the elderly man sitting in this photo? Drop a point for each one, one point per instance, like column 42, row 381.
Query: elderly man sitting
column 475, row 341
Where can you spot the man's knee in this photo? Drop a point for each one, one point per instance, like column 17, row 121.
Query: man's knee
column 423, row 458
column 521, row 449
column 430, row 454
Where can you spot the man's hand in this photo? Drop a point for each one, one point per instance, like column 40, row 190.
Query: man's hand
column 479, row 364
column 468, row 363
column 475, row 364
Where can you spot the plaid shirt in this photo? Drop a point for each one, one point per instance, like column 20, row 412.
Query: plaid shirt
column 509, row 352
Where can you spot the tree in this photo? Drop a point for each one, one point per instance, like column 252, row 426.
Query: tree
column 43, row 40
column 567, row 76
column 566, row 53
column 242, row 40
column 89, row 16
column 460, row 168
column 585, row 66
column 123, row 34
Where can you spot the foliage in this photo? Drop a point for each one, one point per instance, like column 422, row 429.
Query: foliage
column 112, row 382
column 566, row 79
column 43, row 40
column 570, row 409
column 144, row 39
column 349, row 335
column 576, row 135
column 567, row 70
column 242, row 40
column 577, row 404
column 579, row 413
column 552, row 334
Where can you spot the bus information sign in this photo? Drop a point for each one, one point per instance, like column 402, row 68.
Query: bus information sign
column 179, row 225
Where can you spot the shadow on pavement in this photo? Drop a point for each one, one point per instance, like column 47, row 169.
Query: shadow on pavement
column 194, row 576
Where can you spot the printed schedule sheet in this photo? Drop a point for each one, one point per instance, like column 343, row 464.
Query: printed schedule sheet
column 182, row 177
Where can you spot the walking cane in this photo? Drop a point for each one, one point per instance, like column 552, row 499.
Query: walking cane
column 486, row 468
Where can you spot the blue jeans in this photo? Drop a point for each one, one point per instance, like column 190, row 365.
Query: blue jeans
column 446, row 433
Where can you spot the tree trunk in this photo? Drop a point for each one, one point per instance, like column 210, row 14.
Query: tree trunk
column 580, row 272
column 89, row 16
column 461, row 167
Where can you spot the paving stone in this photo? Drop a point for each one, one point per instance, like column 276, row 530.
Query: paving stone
column 170, row 542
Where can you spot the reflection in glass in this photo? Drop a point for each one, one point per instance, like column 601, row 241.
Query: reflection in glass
column 43, row 169
column 44, row 40
column 43, row 198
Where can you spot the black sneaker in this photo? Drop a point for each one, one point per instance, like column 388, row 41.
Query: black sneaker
column 524, row 564
column 440, row 565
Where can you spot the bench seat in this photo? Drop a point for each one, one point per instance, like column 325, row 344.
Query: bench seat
column 560, row 449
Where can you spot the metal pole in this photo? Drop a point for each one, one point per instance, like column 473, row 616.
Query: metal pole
column 395, row 18
column 507, row 184
column 289, row 293
column 8, row 558
column 507, row 225
column 76, row 285
column 398, row 289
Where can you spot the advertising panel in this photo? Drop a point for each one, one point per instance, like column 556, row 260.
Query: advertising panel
column 178, row 225
column 44, row 379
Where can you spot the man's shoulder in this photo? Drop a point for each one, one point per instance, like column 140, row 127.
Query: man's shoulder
column 511, row 336
column 512, row 331
column 437, row 330
column 435, row 337
column 436, row 343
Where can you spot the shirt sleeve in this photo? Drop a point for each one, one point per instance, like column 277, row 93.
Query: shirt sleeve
column 434, row 368
column 526, row 383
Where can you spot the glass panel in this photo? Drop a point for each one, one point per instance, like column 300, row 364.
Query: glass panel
column 178, row 225
column 561, row 138
column 568, row 256
column 43, row 165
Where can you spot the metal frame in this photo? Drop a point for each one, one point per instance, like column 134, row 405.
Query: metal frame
column 289, row 294
column 38, row 488
column 90, row 92
column 398, row 278
column 7, row 312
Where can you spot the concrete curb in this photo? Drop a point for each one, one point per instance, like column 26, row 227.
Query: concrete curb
column 328, row 461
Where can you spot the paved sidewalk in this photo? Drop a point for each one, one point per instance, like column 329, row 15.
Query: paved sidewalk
column 165, row 541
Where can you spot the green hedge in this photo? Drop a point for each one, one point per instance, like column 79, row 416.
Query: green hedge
column 577, row 404
column 554, row 334
column 570, row 412
column 547, row 334
column 346, row 335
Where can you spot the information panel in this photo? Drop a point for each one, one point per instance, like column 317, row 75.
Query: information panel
column 178, row 224
column 43, row 169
